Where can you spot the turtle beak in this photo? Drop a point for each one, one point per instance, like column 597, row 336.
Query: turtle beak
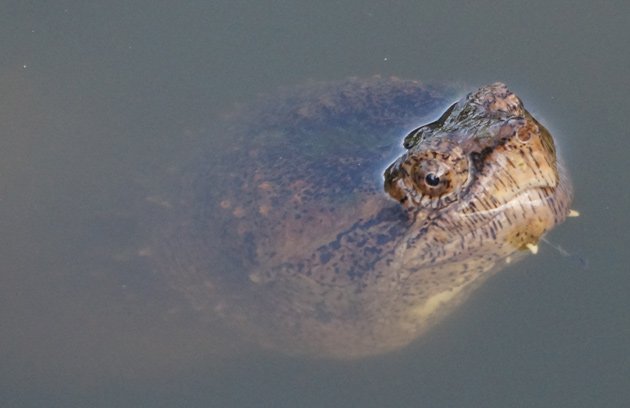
column 391, row 184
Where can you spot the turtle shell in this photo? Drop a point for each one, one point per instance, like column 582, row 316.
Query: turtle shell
column 315, row 232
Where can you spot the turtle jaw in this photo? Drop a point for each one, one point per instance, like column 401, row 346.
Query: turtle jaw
column 525, row 216
column 519, row 192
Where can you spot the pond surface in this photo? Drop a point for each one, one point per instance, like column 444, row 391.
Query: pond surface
column 102, row 104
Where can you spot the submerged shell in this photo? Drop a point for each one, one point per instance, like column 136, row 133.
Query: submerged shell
column 289, row 235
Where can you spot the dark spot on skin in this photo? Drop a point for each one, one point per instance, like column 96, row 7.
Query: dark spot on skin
column 478, row 158
column 355, row 273
column 371, row 251
column 493, row 233
column 324, row 257
column 382, row 239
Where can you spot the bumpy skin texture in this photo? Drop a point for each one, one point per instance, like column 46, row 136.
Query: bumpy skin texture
column 290, row 237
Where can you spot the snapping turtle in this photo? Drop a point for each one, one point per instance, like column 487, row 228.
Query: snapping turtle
column 315, row 233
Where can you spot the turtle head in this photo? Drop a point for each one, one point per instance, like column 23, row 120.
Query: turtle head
column 485, row 150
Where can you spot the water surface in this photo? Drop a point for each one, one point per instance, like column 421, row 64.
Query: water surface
column 101, row 103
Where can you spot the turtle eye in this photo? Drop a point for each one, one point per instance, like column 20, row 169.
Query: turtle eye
column 432, row 177
column 428, row 178
column 432, row 180
column 437, row 177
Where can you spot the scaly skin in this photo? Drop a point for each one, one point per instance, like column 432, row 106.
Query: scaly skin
column 300, row 249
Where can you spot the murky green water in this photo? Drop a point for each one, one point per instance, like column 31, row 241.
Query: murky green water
column 101, row 103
